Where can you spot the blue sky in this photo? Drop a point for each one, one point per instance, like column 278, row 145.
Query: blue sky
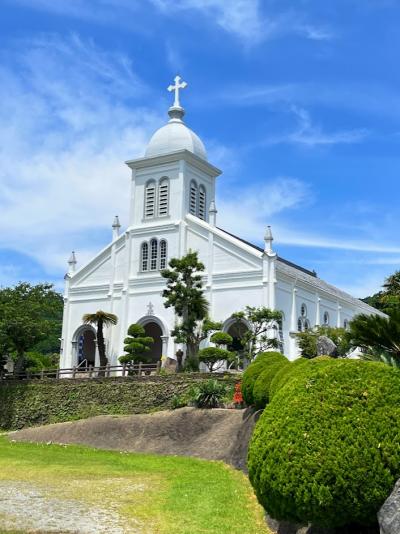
column 297, row 102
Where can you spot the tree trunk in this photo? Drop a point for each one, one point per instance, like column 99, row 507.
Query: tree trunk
column 101, row 346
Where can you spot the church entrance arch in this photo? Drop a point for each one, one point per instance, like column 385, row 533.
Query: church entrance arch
column 85, row 346
column 154, row 328
column 236, row 329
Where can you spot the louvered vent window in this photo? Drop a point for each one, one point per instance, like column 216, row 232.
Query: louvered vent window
column 145, row 257
column 202, row 203
column 154, row 254
column 163, row 198
column 163, row 254
column 193, row 198
column 150, row 200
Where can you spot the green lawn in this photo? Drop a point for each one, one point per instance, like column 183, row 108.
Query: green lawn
column 149, row 494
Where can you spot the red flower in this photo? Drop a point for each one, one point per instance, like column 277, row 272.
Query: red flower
column 237, row 396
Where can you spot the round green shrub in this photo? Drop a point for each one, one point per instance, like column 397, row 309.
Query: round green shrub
column 283, row 376
column 263, row 360
column 261, row 390
column 326, row 450
column 221, row 338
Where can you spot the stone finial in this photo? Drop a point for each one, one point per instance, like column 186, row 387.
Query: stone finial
column 268, row 241
column 213, row 213
column 115, row 227
column 72, row 263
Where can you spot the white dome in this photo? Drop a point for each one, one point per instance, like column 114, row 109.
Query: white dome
column 175, row 135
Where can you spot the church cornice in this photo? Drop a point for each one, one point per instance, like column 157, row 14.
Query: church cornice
column 178, row 155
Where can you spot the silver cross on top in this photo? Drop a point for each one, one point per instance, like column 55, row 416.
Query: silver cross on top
column 178, row 85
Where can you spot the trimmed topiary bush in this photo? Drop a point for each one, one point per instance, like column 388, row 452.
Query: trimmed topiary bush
column 253, row 371
column 326, row 450
column 261, row 390
column 283, row 376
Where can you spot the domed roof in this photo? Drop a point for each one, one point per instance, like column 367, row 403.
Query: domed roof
column 175, row 135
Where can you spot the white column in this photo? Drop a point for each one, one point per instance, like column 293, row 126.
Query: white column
column 339, row 316
column 271, row 282
column 317, row 310
column 132, row 199
column 210, row 269
column 293, row 352
column 125, row 291
column 164, row 348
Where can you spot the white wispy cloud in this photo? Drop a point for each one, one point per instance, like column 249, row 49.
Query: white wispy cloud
column 67, row 124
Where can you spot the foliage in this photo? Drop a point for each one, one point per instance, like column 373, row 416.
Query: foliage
column 261, row 362
column 209, row 394
column 137, row 345
column 377, row 356
column 214, row 357
column 159, row 486
column 100, row 319
column 258, row 321
column 377, row 334
column 36, row 361
column 184, row 293
column 307, row 341
column 387, row 300
column 284, row 375
column 28, row 315
column 261, row 390
column 221, row 338
column 326, row 450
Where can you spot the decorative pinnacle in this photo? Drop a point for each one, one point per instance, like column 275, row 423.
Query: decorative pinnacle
column 116, row 223
column 268, row 240
column 213, row 208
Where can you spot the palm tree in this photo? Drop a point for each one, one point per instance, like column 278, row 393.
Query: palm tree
column 100, row 319
column 377, row 334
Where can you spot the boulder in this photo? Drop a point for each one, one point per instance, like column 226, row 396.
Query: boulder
column 326, row 347
column 389, row 514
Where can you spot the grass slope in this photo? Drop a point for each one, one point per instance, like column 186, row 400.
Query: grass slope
column 150, row 494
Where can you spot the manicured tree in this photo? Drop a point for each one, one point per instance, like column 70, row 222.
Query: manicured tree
column 214, row 357
column 137, row 345
column 307, row 341
column 185, row 294
column 100, row 319
column 261, row 390
column 262, row 361
column 259, row 323
column 28, row 314
column 377, row 334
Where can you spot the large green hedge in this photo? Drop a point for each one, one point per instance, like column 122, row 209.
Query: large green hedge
column 262, row 361
column 261, row 390
column 326, row 450
column 51, row 401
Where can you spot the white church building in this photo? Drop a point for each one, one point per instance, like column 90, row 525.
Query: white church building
column 172, row 211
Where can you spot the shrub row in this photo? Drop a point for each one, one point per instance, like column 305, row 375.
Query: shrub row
column 262, row 362
column 326, row 449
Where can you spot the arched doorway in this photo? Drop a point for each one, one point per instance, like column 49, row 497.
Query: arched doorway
column 153, row 330
column 86, row 347
column 236, row 329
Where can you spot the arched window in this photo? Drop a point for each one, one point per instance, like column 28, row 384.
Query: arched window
column 202, row 202
column 150, row 200
column 193, row 198
column 144, row 261
column 303, row 310
column 346, row 324
column 307, row 325
column 163, row 254
column 163, row 197
column 153, row 254
column 326, row 318
column 300, row 325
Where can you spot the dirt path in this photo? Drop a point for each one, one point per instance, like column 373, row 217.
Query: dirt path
column 33, row 508
column 217, row 434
